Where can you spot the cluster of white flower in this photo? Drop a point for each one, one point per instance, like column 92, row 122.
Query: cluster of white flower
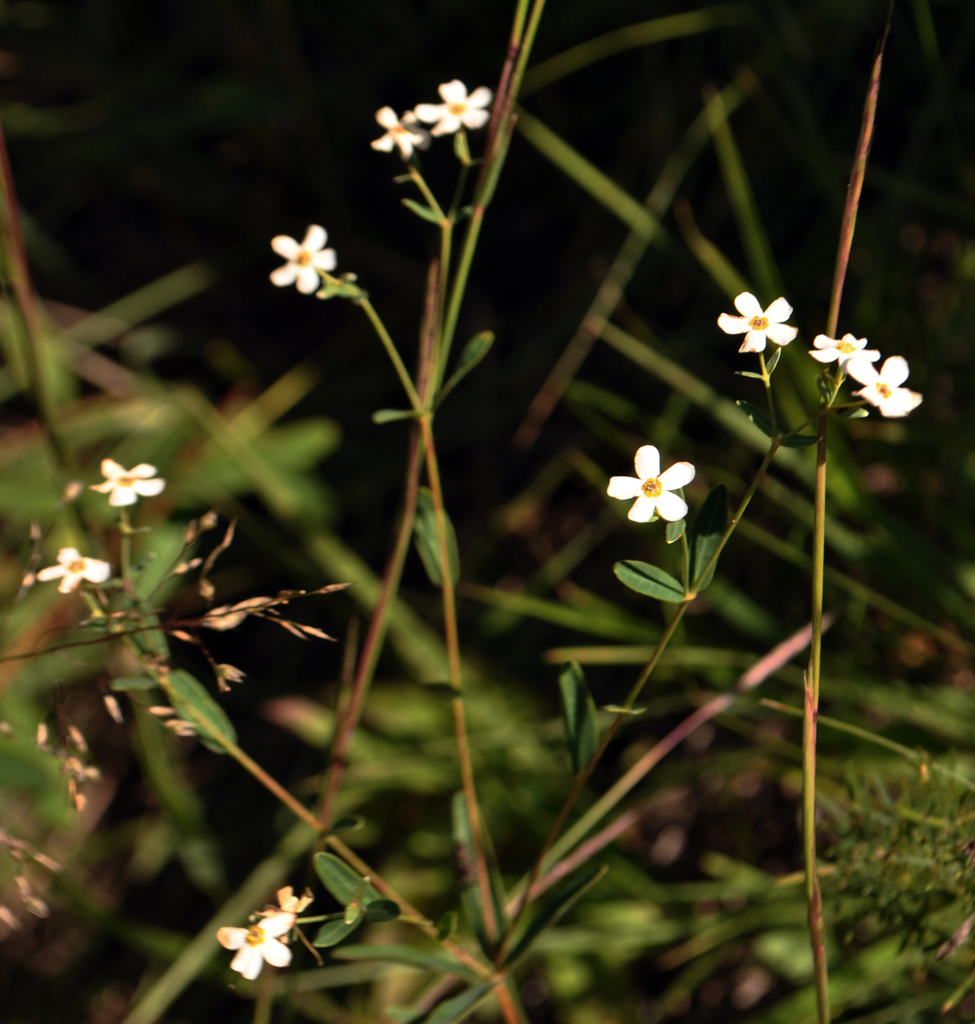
column 266, row 939
column 881, row 388
column 124, row 487
column 457, row 110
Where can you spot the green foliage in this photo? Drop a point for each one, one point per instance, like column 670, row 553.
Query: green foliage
column 649, row 580
column 427, row 539
column 578, row 716
column 194, row 704
column 705, row 535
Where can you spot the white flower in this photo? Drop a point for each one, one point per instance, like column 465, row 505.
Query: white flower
column 292, row 904
column 457, row 109
column 402, row 132
column 828, row 349
column 652, row 489
column 258, row 943
column 883, row 389
column 126, row 485
column 758, row 325
column 72, row 568
column 305, row 260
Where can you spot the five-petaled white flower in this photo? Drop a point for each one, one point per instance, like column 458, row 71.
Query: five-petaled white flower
column 828, row 349
column 402, row 132
column 73, row 567
column 884, row 389
column 305, row 259
column 652, row 489
column 758, row 325
column 457, row 109
column 126, row 485
column 258, row 943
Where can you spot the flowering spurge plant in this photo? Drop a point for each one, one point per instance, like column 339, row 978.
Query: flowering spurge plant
column 126, row 486
column 73, row 567
column 265, row 939
column 759, row 326
column 306, row 259
column 653, row 490
column 402, row 132
column 883, row 389
column 831, row 350
column 457, row 110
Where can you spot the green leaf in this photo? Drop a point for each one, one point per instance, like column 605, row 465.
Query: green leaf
column 578, row 716
column 348, row 824
column 748, row 373
column 422, row 211
column 447, row 925
column 560, row 900
column 461, row 149
column 855, row 414
column 341, row 880
column 193, row 702
column 474, row 351
column 427, row 541
column 825, row 388
column 618, row 709
column 124, row 683
column 403, row 954
column 676, row 530
column 333, row 932
column 773, row 361
column 392, row 415
column 705, row 535
column 470, row 890
column 759, row 418
column 453, row 1010
column 649, row 580
column 799, row 441
column 382, row 910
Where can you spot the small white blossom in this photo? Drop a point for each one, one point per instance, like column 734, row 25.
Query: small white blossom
column 652, row 489
column 126, row 485
column 758, row 325
column 258, row 943
column 292, row 904
column 828, row 349
column 305, row 259
column 883, row 389
column 402, row 132
column 72, row 568
column 457, row 109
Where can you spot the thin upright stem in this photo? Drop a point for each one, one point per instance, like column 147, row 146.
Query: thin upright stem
column 392, row 352
column 424, row 188
column 453, row 659
column 125, row 546
column 767, row 381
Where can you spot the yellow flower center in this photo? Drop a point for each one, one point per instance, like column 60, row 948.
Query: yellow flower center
column 457, row 108
column 758, row 323
column 845, row 347
column 884, row 390
column 125, row 481
column 255, row 935
column 651, row 488
column 303, row 258
column 77, row 566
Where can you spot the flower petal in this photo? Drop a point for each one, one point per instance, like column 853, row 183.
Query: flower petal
column 454, row 91
column 855, row 342
column 430, row 112
column 754, row 342
column 284, row 275
column 862, row 370
column 475, row 119
column 748, row 305
column 315, row 238
column 325, row 260
column 143, row 470
column 69, row 582
column 895, row 371
column 111, row 469
column 822, row 341
column 386, row 116
column 781, row 334
column 680, row 474
column 278, row 923
column 480, row 97
column 647, row 462
column 276, row 953
column 447, row 125
column 148, row 488
column 642, row 510
column 248, row 961
column 623, row 487
column 307, row 280
column 52, row 572
column 68, row 555
column 385, row 144
column 732, row 324
column 95, row 570
column 900, row 403
column 870, row 393
column 405, row 143
column 779, row 311
column 231, row 938
column 825, row 355
column 671, row 506
column 286, row 246
column 871, row 355
column 123, row 496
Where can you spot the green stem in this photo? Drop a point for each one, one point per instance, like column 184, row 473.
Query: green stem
column 264, row 1004
column 125, row 528
column 424, row 188
column 392, row 352
column 767, row 381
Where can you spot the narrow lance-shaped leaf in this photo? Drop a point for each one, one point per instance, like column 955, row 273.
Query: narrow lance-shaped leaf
column 403, row 954
column 578, row 716
column 392, row 415
column 451, row 1011
column 759, row 418
column 470, row 889
column 473, row 352
column 382, row 910
column 799, row 441
column 193, row 702
column 558, row 902
column 422, row 211
column 333, row 932
column 427, row 541
column 705, row 535
column 649, row 580
column 675, row 531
